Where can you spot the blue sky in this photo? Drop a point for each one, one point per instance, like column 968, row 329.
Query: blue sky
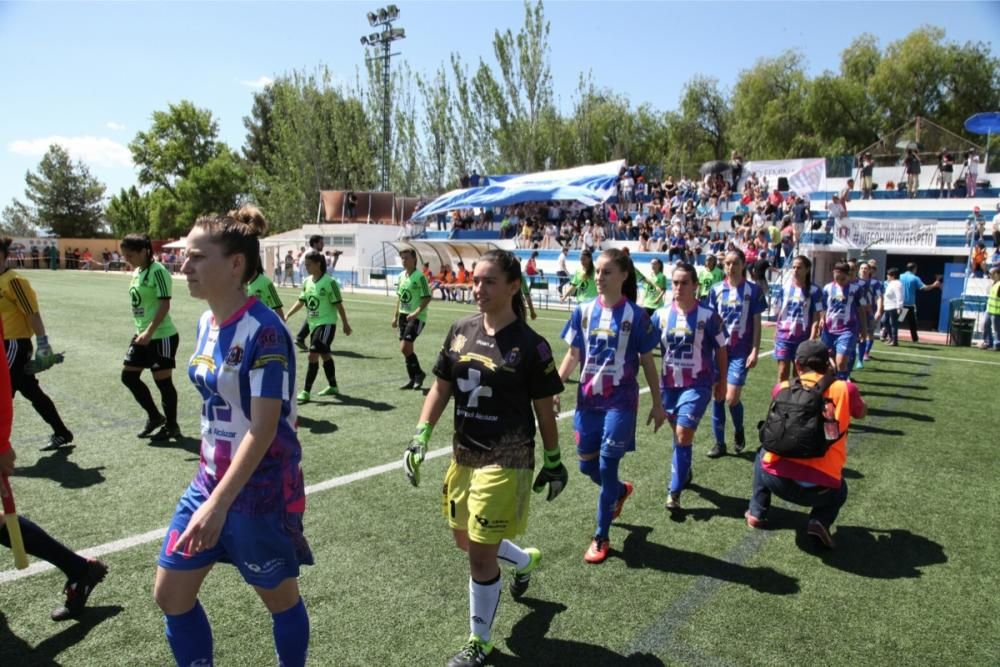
column 91, row 74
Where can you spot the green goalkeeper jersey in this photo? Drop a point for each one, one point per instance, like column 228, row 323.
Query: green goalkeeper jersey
column 411, row 289
column 150, row 286
column 321, row 298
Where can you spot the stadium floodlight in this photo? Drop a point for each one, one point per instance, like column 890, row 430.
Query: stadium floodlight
column 384, row 17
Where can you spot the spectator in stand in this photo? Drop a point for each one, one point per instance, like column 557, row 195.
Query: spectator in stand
column 912, row 283
column 977, row 260
column 845, row 194
column 911, row 165
column 801, row 215
column 971, row 172
column 867, row 166
column 463, row 180
column 835, row 211
column 975, row 227
column 946, row 167
column 351, row 203
column 996, row 229
column 531, row 268
column 474, row 179
column 105, row 259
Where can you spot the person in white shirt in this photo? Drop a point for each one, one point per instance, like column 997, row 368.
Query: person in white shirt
column 971, row 172
column 892, row 303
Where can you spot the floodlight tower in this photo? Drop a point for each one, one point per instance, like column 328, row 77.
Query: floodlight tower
column 384, row 17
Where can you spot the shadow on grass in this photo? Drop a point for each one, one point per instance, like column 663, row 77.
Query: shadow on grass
column 876, row 430
column 527, row 639
column 18, row 652
column 892, row 371
column 850, row 473
column 185, row 442
column 902, row 398
column 733, row 507
column 876, row 553
column 351, row 354
column 638, row 552
column 317, row 426
column 59, row 468
column 869, row 383
column 357, row 402
column 915, row 416
column 913, row 362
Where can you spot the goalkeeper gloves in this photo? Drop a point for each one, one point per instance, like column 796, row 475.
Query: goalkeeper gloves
column 416, row 451
column 44, row 357
column 43, row 349
column 553, row 473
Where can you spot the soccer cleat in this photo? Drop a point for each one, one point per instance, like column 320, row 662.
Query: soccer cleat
column 673, row 502
column 167, row 433
column 78, row 591
column 717, row 450
column 473, row 654
column 868, row 357
column 303, row 397
column 739, row 441
column 56, row 441
column 152, row 424
column 330, row 391
column 858, row 363
column 598, row 550
column 753, row 521
column 519, row 583
column 818, row 531
column 418, row 380
column 621, row 500
column 301, row 344
column 408, row 385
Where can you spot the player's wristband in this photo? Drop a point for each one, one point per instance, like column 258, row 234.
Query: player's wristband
column 42, row 340
column 423, row 434
column 552, row 458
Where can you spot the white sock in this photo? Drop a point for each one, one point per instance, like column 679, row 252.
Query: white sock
column 511, row 554
column 484, row 598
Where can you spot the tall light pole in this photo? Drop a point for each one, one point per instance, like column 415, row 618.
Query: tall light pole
column 384, row 17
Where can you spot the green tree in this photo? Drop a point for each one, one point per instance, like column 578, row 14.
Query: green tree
column 128, row 212
column 769, row 109
column 18, row 220
column 435, row 94
column 65, row 196
column 190, row 172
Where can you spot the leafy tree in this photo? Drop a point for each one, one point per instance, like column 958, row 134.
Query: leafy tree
column 18, row 220
column 128, row 212
column 65, row 196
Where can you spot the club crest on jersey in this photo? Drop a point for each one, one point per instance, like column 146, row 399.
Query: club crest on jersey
column 268, row 337
column 513, row 357
column 458, row 343
column 235, row 356
column 701, row 326
column 626, row 326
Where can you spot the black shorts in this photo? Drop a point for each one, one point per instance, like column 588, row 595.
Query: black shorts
column 409, row 329
column 322, row 338
column 158, row 355
column 18, row 355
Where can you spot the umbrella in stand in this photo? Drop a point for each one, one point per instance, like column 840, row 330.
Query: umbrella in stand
column 987, row 123
column 909, row 145
column 714, row 167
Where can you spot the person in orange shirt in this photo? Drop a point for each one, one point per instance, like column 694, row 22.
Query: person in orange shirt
column 463, row 283
column 444, row 278
column 978, row 260
column 814, row 482
column 427, row 272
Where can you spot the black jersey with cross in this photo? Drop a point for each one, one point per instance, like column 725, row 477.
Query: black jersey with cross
column 494, row 381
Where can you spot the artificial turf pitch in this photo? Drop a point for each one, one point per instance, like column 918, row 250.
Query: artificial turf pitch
column 913, row 580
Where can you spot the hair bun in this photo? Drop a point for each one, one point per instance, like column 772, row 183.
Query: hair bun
column 252, row 217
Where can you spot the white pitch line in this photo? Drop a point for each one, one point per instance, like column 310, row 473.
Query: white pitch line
column 154, row 535
column 931, row 356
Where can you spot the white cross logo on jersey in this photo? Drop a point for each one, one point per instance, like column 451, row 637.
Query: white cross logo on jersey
column 473, row 388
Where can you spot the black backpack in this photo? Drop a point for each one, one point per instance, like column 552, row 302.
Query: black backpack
column 800, row 422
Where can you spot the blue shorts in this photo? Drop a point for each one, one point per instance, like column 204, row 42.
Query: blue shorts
column 686, row 405
column 737, row 373
column 257, row 544
column 612, row 433
column 784, row 350
column 845, row 343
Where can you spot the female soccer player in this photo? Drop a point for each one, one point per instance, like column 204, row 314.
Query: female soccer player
column 613, row 337
column 413, row 297
column 260, row 285
column 654, row 289
column 21, row 318
column 582, row 285
column 503, row 378
column 245, row 504
column 844, row 304
column 154, row 345
column 739, row 303
column 321, row 297
column 874, row 290
column 800, row 304
column 694, row 359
